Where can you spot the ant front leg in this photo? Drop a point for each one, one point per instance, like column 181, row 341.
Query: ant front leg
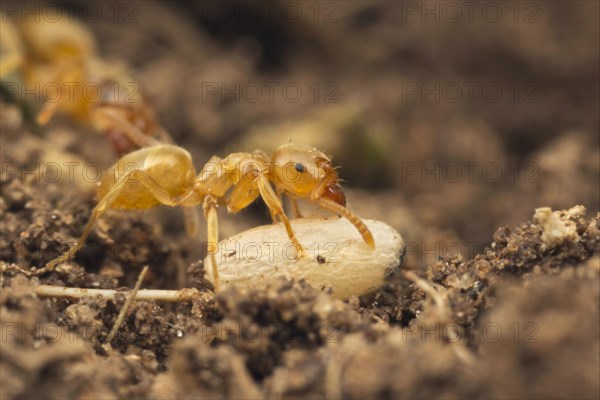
column 275, row 207
column 274, row 216
column 210, row 212
column 293, row 204
column 295, row 209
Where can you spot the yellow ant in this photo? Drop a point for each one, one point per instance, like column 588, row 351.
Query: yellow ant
column 57, row 58
column 164, row 174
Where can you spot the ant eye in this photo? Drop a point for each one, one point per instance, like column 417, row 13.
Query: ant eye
column 299, row 167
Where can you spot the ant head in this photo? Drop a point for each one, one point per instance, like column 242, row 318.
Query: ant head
column 306, row 172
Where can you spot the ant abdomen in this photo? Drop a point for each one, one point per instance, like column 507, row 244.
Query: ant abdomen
column 167, row 166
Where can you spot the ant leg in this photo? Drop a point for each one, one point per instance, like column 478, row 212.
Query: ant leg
column 65, row 73
column 97, row 212
column 157, row 191
column 210, row 212
column 49, row 109
column 192, row 221
column 107, row 114
column 271, row 200
column 274, row 216
column 295, row 208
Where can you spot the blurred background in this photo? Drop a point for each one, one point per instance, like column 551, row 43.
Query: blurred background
column 448, row 119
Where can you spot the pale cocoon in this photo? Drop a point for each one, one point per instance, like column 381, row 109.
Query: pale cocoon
column 336, row 256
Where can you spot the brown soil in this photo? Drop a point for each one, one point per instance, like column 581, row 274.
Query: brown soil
column 513, row 313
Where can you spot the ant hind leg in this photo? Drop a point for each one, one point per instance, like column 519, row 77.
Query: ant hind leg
column 117, row 189
column 97, row 212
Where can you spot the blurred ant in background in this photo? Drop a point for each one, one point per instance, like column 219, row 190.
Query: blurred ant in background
column 58, row 60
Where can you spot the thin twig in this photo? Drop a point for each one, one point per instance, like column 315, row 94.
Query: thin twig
column 126, row 306
column 143, row 294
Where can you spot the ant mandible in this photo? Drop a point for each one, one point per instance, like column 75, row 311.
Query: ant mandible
column 164, row 174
